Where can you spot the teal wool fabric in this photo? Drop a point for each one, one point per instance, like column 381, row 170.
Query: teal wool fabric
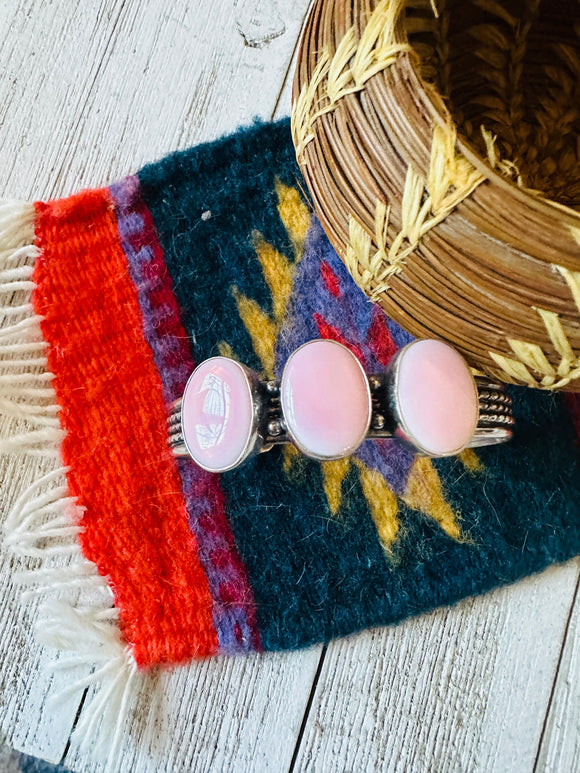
column 336, row 547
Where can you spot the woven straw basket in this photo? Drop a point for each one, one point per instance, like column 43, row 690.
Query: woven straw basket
column 440, row 143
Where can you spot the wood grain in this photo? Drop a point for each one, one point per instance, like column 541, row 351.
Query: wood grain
column 90, row 92
column 28, row 721
column 464, row 689
column 93, row 92
column 224, row 714
column 560, row 749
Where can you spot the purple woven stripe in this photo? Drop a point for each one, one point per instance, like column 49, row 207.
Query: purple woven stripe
column 233, row 607
column 350, row 313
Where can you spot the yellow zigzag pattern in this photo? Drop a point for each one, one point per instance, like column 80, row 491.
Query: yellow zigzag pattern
column 424, row 492
column 278, row 273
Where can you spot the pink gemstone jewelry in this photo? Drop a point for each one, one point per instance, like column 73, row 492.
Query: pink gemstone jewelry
column 326, row 405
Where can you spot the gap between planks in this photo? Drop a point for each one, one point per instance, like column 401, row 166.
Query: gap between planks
column 544, row 740
column 308, row 709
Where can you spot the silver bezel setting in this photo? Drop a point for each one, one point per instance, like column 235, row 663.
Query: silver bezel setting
column 291, row 436
column 385, row 416
column 402, row 431
column 253, row 439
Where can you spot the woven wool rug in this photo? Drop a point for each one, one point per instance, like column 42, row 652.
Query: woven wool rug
column 109, row 298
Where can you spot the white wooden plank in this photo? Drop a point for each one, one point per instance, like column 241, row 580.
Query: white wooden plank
column 89, row 94
column 464, row 689
column 500, row 746
column 224, row 714
column 284, row 104
column 560, row 748
column 49, row 54
column 172, row 75
column 27, row 682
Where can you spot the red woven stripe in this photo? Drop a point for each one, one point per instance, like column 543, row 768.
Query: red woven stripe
column 121, row 469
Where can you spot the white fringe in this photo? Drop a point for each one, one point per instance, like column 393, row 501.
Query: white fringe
column 90, row 635
column 43, row 526
column 25, row 392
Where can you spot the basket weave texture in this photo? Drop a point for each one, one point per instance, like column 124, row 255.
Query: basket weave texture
column 440, row 143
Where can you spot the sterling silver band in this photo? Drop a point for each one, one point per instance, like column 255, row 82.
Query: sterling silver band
column 495, row 424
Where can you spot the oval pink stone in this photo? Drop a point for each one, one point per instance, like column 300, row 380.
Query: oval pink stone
column 217, row 414
column 437, row 397
column 325, row 399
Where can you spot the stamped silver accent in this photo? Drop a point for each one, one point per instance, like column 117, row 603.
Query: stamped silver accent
column 495, row 424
